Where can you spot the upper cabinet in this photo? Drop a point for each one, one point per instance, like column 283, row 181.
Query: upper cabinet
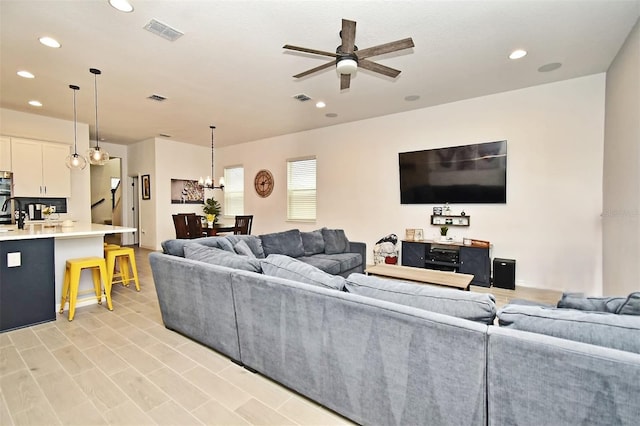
column 5, row 154
column 39, row 169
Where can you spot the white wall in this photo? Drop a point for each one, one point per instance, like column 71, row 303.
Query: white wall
column 39, row 127
column 551, row 223
column 621, row 179
column 142, row 161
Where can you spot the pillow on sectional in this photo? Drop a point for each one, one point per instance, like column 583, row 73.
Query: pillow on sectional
column 218, row 242
column 479, row 307
column 597, row 328
column 581, row 303
column 216, row 256
column 176, row 247
column 243, row 249
column 288, row 243
column 282, row 266
column 631, row 306
column 335, row 241
column 253, row 241
column 313, row 242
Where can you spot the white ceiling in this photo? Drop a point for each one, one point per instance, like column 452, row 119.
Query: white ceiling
column 229, row 68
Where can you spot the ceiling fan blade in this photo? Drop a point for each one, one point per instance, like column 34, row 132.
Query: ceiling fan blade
column 312, row 70
column 348, row 35
column 306, row 50
column 385, row 48
column 345, row 81
column 375, row 67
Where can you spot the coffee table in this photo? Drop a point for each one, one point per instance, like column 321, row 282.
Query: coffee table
column 421, row 275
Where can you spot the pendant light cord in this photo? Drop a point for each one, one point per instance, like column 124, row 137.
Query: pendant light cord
column 95, row 73
column 212, row 175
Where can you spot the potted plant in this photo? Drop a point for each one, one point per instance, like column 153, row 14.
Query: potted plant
column 212, row 208
column 443, row 233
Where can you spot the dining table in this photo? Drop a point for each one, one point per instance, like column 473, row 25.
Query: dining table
column 218, row 229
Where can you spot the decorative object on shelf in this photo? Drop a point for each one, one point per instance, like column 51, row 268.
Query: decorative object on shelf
column 185, row 191
column 263, row 183
column 146, row 187
column 437, row 211
column 462, row 213
column 418, row 235
column 75, row 161
column 451, row 220
column 446, row 210
column 410, row 234
column 212, row 208
column 97, row 156
column 209, row 183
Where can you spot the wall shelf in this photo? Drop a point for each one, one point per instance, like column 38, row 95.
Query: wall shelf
column 440, row 220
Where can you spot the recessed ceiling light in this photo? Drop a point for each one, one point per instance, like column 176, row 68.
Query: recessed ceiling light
column 35, row 103
column 517, row 54
column 121, row 5
column 320, row 104
column 50, row 42
column 550, row 67
column 411, row 98
column 26, row 74
column 331, row 115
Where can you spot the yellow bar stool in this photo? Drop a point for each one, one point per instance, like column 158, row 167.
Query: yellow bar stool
column 126, row 261
column 72, row 273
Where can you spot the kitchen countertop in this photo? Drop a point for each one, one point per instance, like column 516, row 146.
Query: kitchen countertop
column 31, row 231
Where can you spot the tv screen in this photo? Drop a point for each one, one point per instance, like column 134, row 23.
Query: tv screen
column 461, row 174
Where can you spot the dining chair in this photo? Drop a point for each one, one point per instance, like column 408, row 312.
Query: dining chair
column 194, row 223
column 180, row 224
column 243, row 225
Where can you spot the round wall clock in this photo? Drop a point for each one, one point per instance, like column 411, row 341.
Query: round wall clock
column 263, row 183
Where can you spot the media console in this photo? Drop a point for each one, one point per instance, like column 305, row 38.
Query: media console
column 449, row 257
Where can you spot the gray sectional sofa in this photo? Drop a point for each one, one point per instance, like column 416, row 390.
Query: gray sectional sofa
column 385, row 352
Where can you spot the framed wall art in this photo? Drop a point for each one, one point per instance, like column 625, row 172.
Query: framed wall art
column 185, row 191
column 146, row 187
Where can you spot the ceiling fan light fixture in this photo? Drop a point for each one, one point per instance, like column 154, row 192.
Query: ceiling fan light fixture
column 347, row 66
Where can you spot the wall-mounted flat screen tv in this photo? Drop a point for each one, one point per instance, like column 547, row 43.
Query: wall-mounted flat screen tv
column 461, row 174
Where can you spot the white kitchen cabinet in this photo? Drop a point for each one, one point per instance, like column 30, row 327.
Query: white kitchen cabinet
column 5, row 154
column 39, row 169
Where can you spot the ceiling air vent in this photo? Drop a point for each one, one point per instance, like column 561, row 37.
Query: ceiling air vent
column 157, row 98
column 302, row 97
column 163, row 30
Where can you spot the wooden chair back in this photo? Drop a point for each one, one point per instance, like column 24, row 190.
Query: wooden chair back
column 180, row 224
column 195, row 226
column 243, row 225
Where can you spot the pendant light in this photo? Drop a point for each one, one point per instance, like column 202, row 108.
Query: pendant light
column 208, row 183
column 97, row 156
column 75, row 161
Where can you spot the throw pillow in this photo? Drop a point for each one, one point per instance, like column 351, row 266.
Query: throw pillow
column 253, row 241
column 288, row 243
column 600, row 304
column 480, row 307
column 335, row 241
column 243, row 249
column 313, row 242
column 277, row 265
column 631, row 306
column 220, row 257
column 217, row 242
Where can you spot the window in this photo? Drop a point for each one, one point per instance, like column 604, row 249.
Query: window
column 234, row 191
column 301, row 189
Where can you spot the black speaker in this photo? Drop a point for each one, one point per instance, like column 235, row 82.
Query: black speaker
column 504, row 273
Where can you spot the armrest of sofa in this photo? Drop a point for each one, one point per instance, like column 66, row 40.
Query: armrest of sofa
column 357, row 247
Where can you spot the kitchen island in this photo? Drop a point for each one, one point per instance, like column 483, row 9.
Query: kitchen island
column 32, row 264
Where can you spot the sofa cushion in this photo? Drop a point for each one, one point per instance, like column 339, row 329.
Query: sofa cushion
column 253, row 241
column 278, row 265
column 347, row 261
column 631, row 306
column 478, row 307
column 313, row 242
column 176, row 247
column 581, row 303
column 216, row 256
column 327, row 265
column 288, row 243
column 243, row 249
column 335, row 241
column 597, row 328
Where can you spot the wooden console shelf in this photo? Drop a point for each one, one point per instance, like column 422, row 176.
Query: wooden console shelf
column 453, row 257
column 440, row 220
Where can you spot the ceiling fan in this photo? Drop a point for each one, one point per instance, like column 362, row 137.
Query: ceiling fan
column 348, row 58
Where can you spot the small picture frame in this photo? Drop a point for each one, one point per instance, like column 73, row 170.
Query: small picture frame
column 146, row 187
column 418, row 235
column 410, row 234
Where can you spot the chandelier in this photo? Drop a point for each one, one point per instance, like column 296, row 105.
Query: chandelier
column 208, row 183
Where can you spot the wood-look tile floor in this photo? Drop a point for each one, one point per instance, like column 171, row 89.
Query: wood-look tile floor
column 124, row 368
